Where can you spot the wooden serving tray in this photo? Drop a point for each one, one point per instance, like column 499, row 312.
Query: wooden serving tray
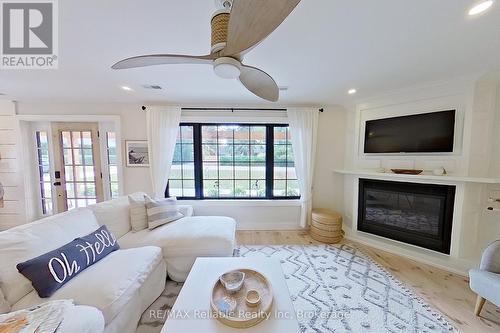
column 407, row 171
column 253, row 315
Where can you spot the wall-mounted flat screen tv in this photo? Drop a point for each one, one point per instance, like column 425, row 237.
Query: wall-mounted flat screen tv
column 421, row 133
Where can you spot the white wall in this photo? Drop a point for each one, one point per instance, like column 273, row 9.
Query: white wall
column 263, row 215
column 495, row 148
column 490, row 226
column 330, row 154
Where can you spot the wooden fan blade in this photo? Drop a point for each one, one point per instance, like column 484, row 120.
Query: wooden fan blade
column 259, row 83
column 162, row 59
column 251, row 21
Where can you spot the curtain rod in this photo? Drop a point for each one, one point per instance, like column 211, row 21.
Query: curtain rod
column 230, row 109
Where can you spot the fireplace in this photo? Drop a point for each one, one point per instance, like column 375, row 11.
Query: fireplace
column 418, row 214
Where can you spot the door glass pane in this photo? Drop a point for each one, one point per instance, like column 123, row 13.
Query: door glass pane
column 87, row 157
column 86, row 140
column 112, row 164
column 68, row 173
column 78, row 159
column 80, row 190
column 89, row 173
column 77, row 156
column 68, row 156
column 45, row 181
column 66, row 139
column 70, row 190
column 79, row 174
column 113, row 173
column 77, row 139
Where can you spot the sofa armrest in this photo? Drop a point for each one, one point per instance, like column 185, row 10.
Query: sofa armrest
column 186, row 210
column 490, row 260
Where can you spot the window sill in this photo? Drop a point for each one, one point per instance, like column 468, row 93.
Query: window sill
column 242, row 203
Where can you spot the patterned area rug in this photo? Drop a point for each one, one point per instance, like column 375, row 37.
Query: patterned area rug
column 334, row 289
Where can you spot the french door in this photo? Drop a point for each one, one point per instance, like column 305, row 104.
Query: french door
column 77, row 165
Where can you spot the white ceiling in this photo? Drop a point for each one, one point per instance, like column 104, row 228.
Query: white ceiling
column 323, row 48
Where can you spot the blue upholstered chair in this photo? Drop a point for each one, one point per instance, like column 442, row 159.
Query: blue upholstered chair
column 485, row 281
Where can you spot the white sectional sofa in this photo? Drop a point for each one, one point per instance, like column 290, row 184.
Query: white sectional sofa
column 123, row 284
column 181, row 241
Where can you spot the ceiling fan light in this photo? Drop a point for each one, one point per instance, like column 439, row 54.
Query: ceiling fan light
column 227, row 68
column 480, row 7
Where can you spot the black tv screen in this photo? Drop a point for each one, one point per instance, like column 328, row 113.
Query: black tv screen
column 422, row 133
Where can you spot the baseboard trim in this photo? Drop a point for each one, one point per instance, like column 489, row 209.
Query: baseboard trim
column 271, row 226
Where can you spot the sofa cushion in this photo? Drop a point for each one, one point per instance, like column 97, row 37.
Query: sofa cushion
column 161, row 211
column 33, row 239
column 4, row 306
column 114, row 214
column 82, row 319
column 109, row 284
column 52, row 270
column 184, row 240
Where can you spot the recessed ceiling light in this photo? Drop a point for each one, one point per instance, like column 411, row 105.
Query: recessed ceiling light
column 351, row 91
column 126, row 88
column 480, row 7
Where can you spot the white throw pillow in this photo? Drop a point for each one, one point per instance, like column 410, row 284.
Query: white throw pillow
column 138, row 215
column 114, row 214
column 161, row 211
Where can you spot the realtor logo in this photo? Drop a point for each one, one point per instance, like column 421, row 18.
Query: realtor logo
column 29, row 34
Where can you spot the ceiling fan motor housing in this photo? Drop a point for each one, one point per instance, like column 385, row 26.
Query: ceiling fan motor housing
column 220, row 22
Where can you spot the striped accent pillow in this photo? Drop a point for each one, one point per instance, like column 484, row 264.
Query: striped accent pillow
column 161, row 212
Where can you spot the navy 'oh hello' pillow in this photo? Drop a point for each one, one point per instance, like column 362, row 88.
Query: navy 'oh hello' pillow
column 52, row 270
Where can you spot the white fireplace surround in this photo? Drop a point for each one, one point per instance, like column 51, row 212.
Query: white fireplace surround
column 470, row 167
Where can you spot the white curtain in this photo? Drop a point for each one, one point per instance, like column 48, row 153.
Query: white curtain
column 304, row 127
column 162, row 127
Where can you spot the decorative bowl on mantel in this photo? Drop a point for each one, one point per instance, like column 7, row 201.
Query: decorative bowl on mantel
column 407, row 171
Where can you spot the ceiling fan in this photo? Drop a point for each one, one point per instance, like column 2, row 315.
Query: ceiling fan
column 237, row 27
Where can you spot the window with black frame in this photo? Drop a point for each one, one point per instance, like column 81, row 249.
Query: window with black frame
column 182, row 181
column 233, row 161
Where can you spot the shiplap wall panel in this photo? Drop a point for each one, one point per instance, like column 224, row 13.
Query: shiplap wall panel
column 8, row 165
column 10, row 178
column 10, row 207
column 8, row 221
column 12, row 193
column 8, row 151
column 7, row 122
column 13, row 211
column 8, row 136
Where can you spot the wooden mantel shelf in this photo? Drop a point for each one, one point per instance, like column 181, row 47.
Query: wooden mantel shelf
column 422, row 176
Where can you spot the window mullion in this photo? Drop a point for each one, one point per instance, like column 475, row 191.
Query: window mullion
column 269, row 161
column 198, row 164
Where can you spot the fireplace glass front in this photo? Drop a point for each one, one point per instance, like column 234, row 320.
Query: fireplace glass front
column 414, row 213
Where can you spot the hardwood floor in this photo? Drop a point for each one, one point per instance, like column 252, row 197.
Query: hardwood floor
column 447, row 292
